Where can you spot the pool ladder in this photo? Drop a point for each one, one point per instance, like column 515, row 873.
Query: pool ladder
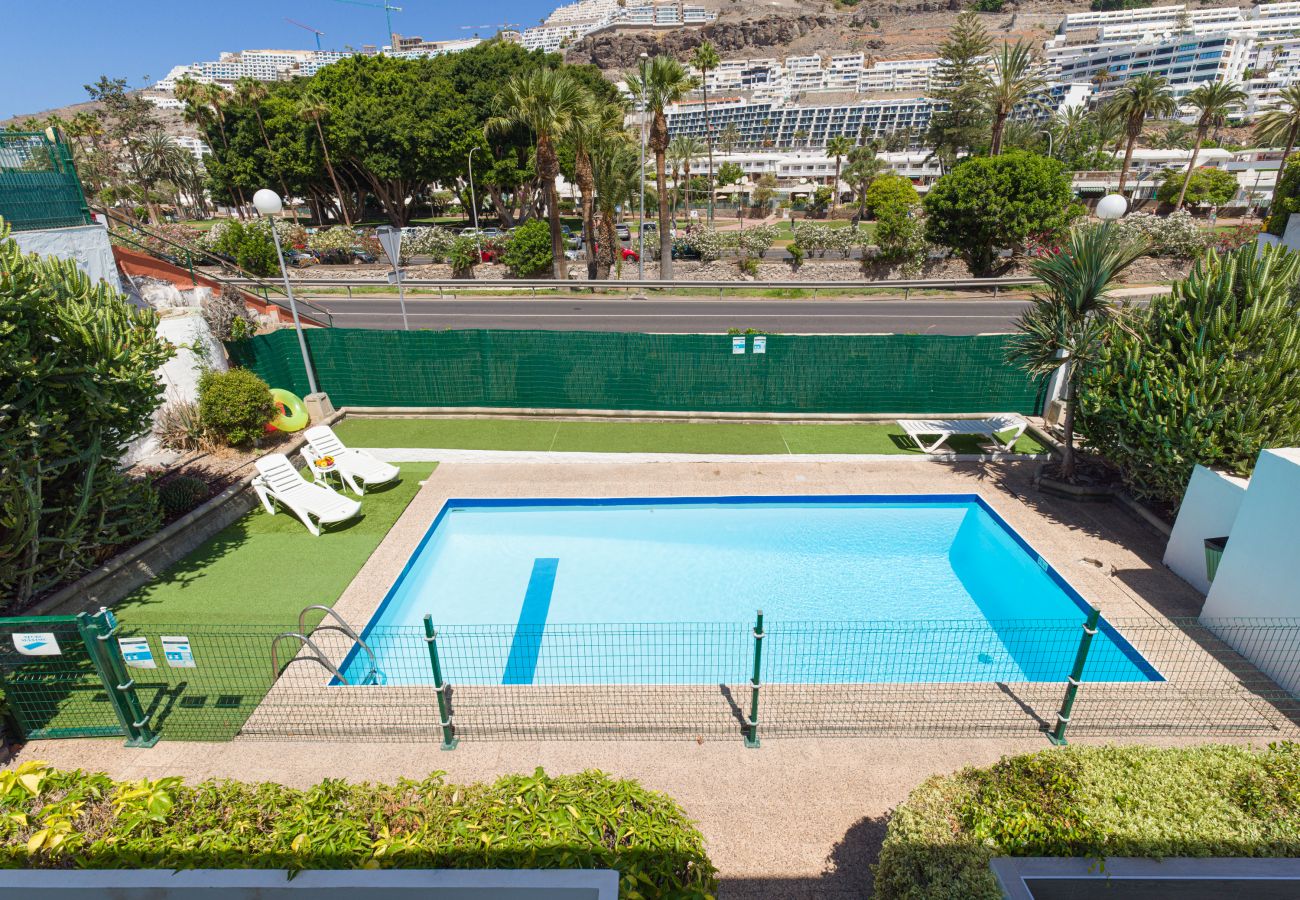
column 315, row 654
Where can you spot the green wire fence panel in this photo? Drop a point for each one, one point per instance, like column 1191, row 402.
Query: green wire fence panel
column 655, row 681
column 50, row 681
column 39, row 187
column 892, row 373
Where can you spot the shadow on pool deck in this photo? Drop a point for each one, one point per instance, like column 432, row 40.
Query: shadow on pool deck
column 847, row 874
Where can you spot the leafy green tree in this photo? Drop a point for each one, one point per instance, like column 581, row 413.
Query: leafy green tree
column 1206, row 185
column 706, row 58
column 126, row 119
column 546, row 102
column 1067, row 323
column 78, row 386
column 528, row 251
column 1138, row 99
column 961, row 124
column 1205, row 374
column 1017, row 79
column 860, row 173
column 665, row 81
column 1280, row 126
column 893, row 200
column 987, row 204
column 313, row 108
column 1213, row 103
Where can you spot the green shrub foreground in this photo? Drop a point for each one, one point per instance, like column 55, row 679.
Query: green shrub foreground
column 57, row 819
column 1090, row 802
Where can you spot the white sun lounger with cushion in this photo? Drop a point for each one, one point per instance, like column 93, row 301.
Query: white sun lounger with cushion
column 357, row 467
column 277, row 480
column 942, row 429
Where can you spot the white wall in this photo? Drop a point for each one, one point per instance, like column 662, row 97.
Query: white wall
column 1259, row 576
column 87, row 245
column 1208, row 511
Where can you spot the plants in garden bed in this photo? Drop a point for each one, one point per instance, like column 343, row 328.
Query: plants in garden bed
column 236, row 405
column 1090, row 802
column 55, row 819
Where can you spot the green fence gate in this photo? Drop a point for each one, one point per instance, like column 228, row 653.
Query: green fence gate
column 65, row 676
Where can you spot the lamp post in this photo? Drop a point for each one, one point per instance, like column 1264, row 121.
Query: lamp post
column 1112, row 207
column 268, row 203
column 1048, row 132
column 473, row 204
column 640, row 228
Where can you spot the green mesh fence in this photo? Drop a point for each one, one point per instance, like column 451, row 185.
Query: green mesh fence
column 39, row 187
column 59, row 693
column 597, row 370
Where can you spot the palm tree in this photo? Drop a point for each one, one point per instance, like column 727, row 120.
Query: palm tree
column 684, row 148
column 1016, row 80
column 160, row 160
column 862, row 170
column 590, row 128
column 616, row 169
column 705, row 58
column 665, row 82
column 1136, row 100
column 312, row 108
column 1213, row 102
column 800, row 136
column 249, row 94
column 545, row 102
column 839, row 147
column 1281, row 125
column 1069, row 318
column 729, row 138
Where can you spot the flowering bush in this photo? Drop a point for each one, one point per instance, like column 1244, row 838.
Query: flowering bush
column 340, row 238
column 1176, row 235
column 432, row 241
column 1227, row 241
column 757, row 240
column 710, row 243
column 158, row 246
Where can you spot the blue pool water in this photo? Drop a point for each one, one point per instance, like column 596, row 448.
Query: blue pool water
column 852, row 589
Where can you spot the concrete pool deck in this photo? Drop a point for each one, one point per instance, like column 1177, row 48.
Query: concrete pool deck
column 800, row 817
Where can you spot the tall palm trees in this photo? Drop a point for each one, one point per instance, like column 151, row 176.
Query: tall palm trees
column 1136, row 100
column 1068, row 320
column 1281, row 125
column 839, row 147
column 705, row 58
column 546, row 102
column 665, row 82
column 587, row 135
column 312, row 108
column 1016, row 80
column 616, row 172
column 682, row 149
column 1213, row 103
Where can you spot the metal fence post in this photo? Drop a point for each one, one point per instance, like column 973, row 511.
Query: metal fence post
column 97, row 633
column 449, row 742
column 1057, row 736
column 751, row 731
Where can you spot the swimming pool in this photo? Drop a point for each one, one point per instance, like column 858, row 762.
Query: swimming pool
column 887, row 588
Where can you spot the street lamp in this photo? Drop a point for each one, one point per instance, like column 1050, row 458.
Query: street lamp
column 1050, row 136
column 268, row 203
column 640, row 228
column 1111, row 207
column 473, row 204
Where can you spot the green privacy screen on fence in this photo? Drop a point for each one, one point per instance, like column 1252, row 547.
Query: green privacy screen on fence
column 598, row 370
column 38, row 183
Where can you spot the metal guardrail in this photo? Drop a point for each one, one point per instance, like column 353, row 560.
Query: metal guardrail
column 992, row 285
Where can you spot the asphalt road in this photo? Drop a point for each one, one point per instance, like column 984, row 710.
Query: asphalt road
column 682, row 316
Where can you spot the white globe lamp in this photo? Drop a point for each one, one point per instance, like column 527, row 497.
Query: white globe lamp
column 1110, row 207
column 267, row 202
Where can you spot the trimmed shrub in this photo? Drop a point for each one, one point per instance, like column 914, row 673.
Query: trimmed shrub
column 463, row 256
column 1090, row 802
column 1205, row 374
column 55, row 819
column 181, row 494
column 235, row 406
column 249, row 244
column 528, row 250
column 78, row 386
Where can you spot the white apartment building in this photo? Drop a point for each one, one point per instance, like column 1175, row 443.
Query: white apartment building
column 195, row 146
column 570, row 23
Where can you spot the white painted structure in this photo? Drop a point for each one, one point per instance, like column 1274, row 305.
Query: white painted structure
column 1259, row 575
column 86, row 245
column 1209, row 510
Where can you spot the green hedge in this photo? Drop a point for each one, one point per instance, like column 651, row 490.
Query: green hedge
column 1090, row 802
column 56, row 819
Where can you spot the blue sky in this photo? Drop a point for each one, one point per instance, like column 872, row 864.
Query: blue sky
column 52, row 47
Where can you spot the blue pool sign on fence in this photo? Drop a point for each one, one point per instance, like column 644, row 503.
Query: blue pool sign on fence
column 760, row 343
column 177, row 652
column 36, row 643
column 136, row 652
column 738, row 344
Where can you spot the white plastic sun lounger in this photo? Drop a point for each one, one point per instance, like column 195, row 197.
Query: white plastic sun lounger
column 942, row 429
column 277, row 480
column 357, row 467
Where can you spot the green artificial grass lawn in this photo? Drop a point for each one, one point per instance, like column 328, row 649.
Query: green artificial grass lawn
column 231, row 597
column 764, row 438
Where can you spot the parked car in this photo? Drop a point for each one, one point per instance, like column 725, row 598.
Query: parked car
column 492, row 234
column 683, row 250
column 624, row 233
column 362, row 255
column 300, row 259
